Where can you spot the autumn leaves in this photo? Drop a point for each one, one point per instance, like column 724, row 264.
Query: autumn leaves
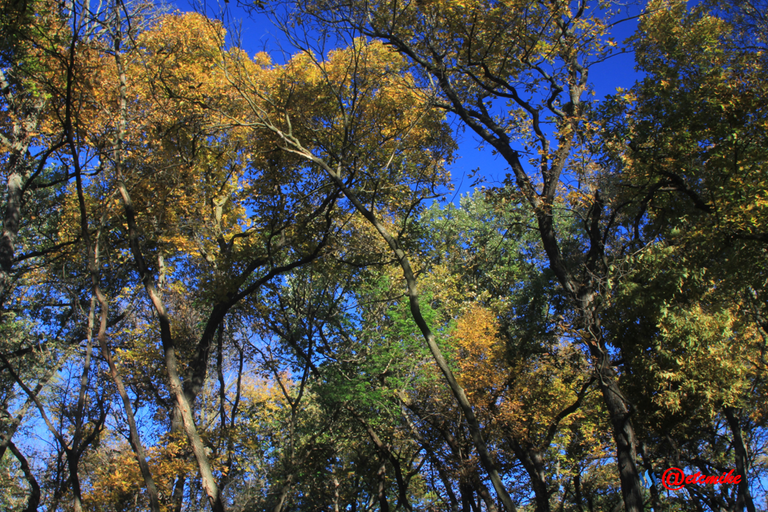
column 243, row 253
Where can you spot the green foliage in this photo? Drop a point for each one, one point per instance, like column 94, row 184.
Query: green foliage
column 687, row 145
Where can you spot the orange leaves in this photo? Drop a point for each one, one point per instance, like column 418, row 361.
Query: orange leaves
column 182, row 59
column 116, row 481
column 166, row 97
column 189, row 35
column 483, row 371
column 357, row 102
column 480, row 357
column 520, row 396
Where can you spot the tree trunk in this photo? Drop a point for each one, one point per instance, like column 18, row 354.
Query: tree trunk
column 577, row 491
column 533, row 462
column 169, row 350
column 381, row 491
column 177, row 498
column 584, row 297
column 624, row 436
column 655, row 498
column 10, row 226
column 744, row 497
column 34, row 488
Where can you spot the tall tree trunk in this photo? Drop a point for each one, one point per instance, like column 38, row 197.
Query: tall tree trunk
column 577, row 491
column 467, row 494
column 11, row 221
column 381, row 490
column 655, row 498
column 284, row 493
column 624, row 437
column 584, row 297
column 25, row 116
column 177, row 498
column 533, row 462
column 135, row 439
column 385, row 453
column 744, row 498
column 484, row 493
column 171, row 364
column 74, row 481
column 34, row 488
column 92, row 250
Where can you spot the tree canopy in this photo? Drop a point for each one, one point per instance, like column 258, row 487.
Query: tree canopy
column 239, row 282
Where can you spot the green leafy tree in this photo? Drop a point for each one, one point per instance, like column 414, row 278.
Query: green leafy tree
column 688, row 145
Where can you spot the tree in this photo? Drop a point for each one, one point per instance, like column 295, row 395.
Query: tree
column 423, row 170
column 530, row 386
column 472, row 56
column 688, row 151
column 226, row 286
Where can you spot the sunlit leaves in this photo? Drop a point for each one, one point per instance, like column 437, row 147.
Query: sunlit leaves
column 694, row 125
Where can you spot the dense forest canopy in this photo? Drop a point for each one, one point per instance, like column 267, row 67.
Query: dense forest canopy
column 237, row 282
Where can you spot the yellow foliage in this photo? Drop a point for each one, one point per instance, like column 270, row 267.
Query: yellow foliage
column 480, row 358
column 116, row 480
column 518, row 396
